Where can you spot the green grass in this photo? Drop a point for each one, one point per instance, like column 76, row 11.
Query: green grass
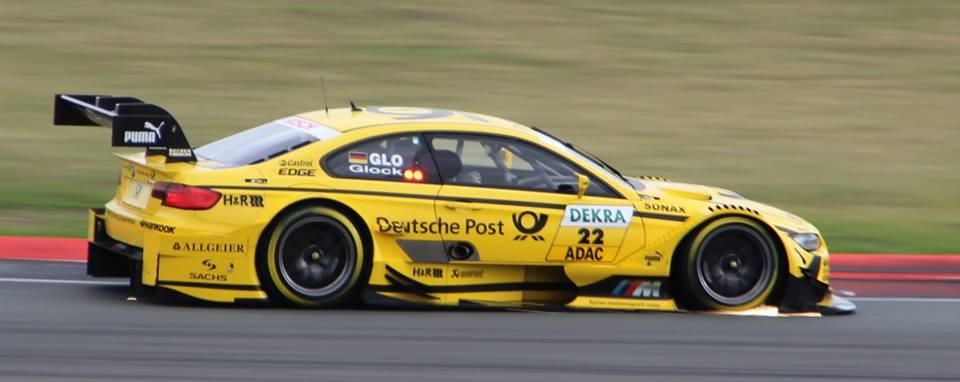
column 843, row 112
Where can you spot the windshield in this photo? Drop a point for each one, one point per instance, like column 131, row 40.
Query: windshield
column 264, row 142
column 599, row 165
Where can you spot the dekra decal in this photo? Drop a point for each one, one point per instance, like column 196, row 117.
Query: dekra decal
column 596, row 216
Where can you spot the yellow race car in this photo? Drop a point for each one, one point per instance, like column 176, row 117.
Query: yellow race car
column 399, row 205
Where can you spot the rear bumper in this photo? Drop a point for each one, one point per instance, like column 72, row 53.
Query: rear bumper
column 107, row 257
column 195, row 262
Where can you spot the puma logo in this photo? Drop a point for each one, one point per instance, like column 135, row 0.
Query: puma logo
column 156, row 129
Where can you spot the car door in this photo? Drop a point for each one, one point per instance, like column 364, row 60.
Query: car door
column 392, row 179
column 512, row 201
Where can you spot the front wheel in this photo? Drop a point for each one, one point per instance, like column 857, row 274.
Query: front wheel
column 313, row 258
column 730, row 264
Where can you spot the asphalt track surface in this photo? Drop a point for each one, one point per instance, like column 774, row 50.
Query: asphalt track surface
column 57, row 324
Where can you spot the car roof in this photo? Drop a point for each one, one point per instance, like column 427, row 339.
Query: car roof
column 347, row 119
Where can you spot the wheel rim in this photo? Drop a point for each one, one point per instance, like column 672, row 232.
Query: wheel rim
column 734, row 264
column 316, row 256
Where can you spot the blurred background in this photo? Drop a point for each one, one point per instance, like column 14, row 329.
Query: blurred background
column 843, row 112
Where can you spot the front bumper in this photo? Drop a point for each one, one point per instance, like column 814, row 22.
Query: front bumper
column 806, row 294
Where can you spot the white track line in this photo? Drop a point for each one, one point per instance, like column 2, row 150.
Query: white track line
column 56, row 281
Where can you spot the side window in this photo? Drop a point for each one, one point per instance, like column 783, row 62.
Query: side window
column 479, row 160
column 401, row 158
column 471, row 152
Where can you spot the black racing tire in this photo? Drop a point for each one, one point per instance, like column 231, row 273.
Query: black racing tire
column 312, row 258
column 731, row 263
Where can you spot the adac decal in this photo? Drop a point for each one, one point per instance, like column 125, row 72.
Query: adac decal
column 587, row 253
column 436, row 273
column 440, row 226
column 465, row 274
column 529, row 223
column 208, row 247
column 375, row 163
column 232, row 200
column 596, row 216
column 660, row 207
column 157, row 227
column 589, row 248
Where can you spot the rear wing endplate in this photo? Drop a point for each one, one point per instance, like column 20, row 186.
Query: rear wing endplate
column 133, row 122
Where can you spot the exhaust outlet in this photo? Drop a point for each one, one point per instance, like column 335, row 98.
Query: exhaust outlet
column 460, row 251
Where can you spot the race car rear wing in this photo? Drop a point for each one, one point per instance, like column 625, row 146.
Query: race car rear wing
column 133, row 122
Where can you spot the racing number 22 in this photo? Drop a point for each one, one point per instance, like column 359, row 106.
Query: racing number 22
column 585, row 236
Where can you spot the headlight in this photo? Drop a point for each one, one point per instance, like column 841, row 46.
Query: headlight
column 808, row 241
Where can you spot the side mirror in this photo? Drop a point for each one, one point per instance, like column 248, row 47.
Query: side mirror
column 583, row 182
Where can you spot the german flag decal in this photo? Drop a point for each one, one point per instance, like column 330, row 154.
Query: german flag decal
column 357, row 157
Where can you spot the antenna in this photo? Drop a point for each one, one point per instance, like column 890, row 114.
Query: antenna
column 323, row 88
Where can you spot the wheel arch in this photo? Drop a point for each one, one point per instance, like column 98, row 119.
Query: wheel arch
column 781, row 250
column 355, row 218
column 324, row 202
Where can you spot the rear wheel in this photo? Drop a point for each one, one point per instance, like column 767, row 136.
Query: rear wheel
column 313, row 258
column 730, row 264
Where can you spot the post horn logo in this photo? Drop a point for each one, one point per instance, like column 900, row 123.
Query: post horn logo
column 529, row 223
